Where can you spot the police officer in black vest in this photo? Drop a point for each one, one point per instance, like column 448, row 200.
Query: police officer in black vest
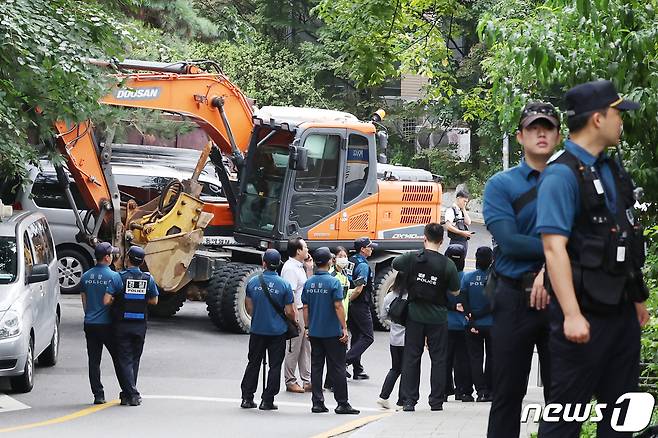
column 129, row 312
column 594, row 254
column 360, row 320
column 431, row 276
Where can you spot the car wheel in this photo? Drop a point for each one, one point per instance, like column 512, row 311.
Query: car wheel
column 49, row 356
column 25, row 382
column 71, row 264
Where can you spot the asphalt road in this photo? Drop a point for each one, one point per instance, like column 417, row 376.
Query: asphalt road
column 190, row 379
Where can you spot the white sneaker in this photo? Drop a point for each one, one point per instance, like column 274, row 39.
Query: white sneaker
column 383, row 403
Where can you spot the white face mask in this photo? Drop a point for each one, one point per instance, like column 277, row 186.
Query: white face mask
column 342, row 262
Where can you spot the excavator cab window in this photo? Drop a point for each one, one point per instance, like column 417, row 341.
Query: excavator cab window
column 264, row 183
column 357, row 169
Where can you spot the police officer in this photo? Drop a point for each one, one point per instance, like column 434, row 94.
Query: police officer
column 97, row 323
column 431, row 276
column 360, row 321
column 129, row 313
column 324, row 319
column 457, row 221
column 456, row 352
column 480, row 320
column 519, row 299
column 268, row 330
column 594, row 255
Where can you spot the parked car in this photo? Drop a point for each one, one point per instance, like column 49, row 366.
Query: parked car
column 29, row 297
column 140, row 179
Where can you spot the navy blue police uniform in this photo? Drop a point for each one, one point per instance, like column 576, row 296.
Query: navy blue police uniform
column 268, row 329
column 360, row 320
column 590, row 200
column 458, row 362
column 129, row 312
column 320, row 294
column 96, row 282
column 478, row 307
column 510, row 214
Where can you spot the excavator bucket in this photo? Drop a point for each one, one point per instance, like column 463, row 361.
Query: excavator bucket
column 169, row 257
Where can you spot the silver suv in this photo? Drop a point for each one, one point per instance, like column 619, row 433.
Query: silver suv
column 29, row 297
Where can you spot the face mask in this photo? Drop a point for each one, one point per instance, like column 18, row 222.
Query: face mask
column 342, row 262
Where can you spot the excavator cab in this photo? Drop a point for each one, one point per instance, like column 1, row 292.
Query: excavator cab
column 279, row 198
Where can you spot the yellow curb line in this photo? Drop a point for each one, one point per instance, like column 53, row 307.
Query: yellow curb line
column 65, row 418
column 352, row 425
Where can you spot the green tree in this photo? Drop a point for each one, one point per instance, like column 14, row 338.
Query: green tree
column 42, row 76
column 539, row 52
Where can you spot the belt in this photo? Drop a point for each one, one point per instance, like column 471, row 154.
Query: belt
column 524, row 282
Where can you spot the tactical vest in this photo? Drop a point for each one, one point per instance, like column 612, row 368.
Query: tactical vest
column 460, row 225
column 425, row 282
column 606, row 249
column 365, row 296
column 131, row 303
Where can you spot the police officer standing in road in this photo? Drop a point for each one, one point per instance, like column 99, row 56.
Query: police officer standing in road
column 594, row 254
column 129, row 313
column 360, row 321
column 431, row 277
column 269, row 299
column 457, row 221
column 96, row 282
column 324, row 318
column 520, row 319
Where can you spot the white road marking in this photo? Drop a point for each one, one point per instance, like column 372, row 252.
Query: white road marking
column 237, row 401
column 8, row 404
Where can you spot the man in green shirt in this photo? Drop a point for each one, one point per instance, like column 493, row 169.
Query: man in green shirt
column 431, row 276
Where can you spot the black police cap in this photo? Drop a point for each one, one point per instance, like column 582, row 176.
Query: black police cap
column 595, row 95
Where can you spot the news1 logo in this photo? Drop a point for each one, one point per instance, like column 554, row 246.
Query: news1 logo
column 630, row 413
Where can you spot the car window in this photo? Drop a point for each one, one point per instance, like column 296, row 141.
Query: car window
column 7, row 260
column 356, row 172
column 41, row 245
column 48, row 194
column 48, row 240
column 27, row 254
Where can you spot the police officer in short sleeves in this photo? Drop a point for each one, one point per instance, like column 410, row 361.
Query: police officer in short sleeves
column 324, row 318
column 129, row 313
column 520, row 318
column 594, row 254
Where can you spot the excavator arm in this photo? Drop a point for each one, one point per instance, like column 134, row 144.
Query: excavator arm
column 170, row 228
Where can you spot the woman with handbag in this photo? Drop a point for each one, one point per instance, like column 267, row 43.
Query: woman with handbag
column 396, row 339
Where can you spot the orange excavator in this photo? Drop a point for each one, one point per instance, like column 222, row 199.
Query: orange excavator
column 301, row 172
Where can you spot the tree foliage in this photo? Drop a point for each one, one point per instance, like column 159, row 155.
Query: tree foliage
column 42, row 77
column 540, row 52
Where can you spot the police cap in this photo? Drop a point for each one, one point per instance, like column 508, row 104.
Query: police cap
column 595, row 95
column 322, row 256
column 136, row 254
column 272, row 258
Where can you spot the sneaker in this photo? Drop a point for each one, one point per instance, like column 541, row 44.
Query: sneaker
column 483, row 398
column 383, row 403
column 361, row 376
column 437, row 407
column 99, row 399
column 295, row 388
column 346, row 408
column 319, row 408
column 247, row 404
column 408, row 407
column 267, row 406
column 123, row 399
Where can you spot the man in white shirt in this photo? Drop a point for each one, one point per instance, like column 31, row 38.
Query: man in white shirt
column 457, row 221
column 298, row 350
